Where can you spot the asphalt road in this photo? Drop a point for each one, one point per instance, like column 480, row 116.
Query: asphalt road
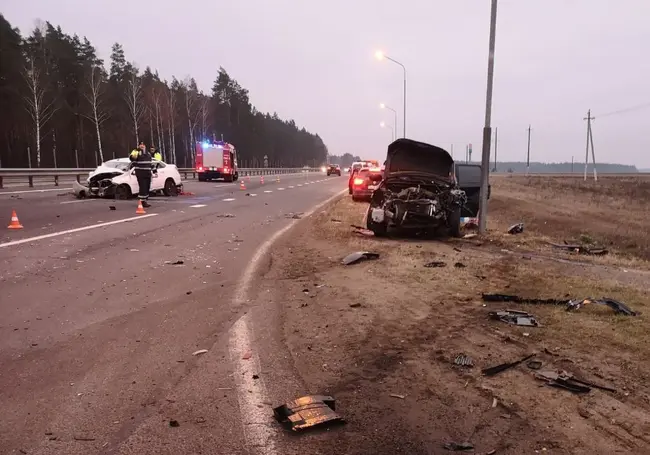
column 99, row 325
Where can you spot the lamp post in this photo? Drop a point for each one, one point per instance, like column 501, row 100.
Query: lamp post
column 383, row 106
column 392, row 131
column 381, row 56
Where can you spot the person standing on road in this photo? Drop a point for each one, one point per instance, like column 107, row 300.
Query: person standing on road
column 144, row 167
column 156, row 154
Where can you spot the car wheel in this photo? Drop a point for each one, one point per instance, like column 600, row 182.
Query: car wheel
column 170, row 188
column 349, row 190
column 202, row 178
column 123, row 192
column 235, row 177
column 453, row 221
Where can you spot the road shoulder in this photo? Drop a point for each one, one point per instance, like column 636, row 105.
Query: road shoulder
column 381, row 336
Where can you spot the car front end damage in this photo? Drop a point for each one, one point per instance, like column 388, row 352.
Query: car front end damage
column 99, row 185
column 418, row 191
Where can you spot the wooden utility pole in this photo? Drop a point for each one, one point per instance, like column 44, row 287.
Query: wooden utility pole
column 528, row 154
column 590, row 141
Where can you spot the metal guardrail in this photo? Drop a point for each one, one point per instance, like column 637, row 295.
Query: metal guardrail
column 77, row 173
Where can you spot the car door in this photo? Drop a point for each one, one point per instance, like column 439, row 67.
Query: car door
column 158, row 179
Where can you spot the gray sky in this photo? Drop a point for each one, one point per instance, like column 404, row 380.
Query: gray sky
column 313, row 61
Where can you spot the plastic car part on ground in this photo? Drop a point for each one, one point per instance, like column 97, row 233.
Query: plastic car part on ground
column 515, row 317
column 307, row 412
column 565, row 380
column 618, row 307
column 353, row 258
column 582, row 249
column 491, row 371
column 516, row 228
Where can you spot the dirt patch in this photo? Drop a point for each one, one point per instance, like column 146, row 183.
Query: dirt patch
column 392, row 326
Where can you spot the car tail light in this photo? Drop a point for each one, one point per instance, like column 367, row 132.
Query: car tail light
column 226, row 170
column 359, row 181
column 199, row 169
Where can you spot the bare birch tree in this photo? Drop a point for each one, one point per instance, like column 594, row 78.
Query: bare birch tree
column 157, row 108
column 171, row 122
column 190, row 101
column 133, row 97
column 204, row 112
column 39, row 108
column 95, row 97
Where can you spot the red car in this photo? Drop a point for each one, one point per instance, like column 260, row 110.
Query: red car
column 363, row 185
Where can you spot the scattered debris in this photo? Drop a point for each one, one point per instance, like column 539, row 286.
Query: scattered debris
column 534, row 364
column 134, row 250
column 247, row 355
column 307, row 411
column 491, row 371
column 362, row 231
column 175, row 262
column 188, row 292
column 464, row 360
column 618, row 307
column 581, row 249
column 395, row 395
column 514, row 317
column 470, row 236
column 565, row 380
column 174, row 423
column 256, row 376
column 516, row 228
column 293, row 216
column 225, row 215
column 334, row 220
column 353, row 258
column 435, row 264
column 355, row 305
column 82, row 438
column 112, row 207
column 200, row 351
column 459, row 265
column 458, row 446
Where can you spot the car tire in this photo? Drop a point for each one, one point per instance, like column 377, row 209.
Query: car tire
column 202, row 178
column 453, row 222
column 123, row 192
column 235, row 177
column 170, row 188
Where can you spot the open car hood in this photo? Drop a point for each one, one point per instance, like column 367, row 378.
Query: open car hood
column 406, row 156
column 104, row 172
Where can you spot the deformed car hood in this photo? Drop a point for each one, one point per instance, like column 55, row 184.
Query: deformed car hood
column 104, row 172
column 406, row 156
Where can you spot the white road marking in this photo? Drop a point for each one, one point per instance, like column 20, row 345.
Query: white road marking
column 292, row 187
column 72, row 231
column 300, row 184
column 260, row 430
column 230, row 199
column 268, row 191
column 34, row 191
column 280, row 189
column 78, row 200
column 197, row 206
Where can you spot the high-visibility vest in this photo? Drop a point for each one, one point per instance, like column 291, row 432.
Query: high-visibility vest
column 157, row 156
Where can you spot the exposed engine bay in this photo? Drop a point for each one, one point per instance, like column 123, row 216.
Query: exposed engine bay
column 400, row 204
column 102, row 184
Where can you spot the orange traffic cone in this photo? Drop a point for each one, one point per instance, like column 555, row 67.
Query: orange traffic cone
column 242, row 185
column 261, row 180
column 140, row 210
column 15, row 224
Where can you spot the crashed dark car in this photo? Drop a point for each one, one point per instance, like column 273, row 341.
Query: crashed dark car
column 418, row 191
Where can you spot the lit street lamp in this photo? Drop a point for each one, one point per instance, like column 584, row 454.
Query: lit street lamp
column 392, row 131
column 380, row 56
column 383, row 106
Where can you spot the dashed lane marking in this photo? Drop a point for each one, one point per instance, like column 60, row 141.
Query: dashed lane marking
column 197, row 206
column 268, row 191
column 291, row 187
column 34, row 191
column 72, row 231
column 280, row 189
column 76, row 201
column 230, row 199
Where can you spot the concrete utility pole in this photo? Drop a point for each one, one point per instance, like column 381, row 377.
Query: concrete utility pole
column 590, row 140
column 496, row 146
column 528, row 154
column 487, row 129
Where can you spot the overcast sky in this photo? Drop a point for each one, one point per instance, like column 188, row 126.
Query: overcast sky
column 313, row 61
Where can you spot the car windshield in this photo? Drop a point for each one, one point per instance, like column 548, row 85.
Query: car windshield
column 121, row 165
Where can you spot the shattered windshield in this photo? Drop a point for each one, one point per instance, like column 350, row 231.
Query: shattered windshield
column 122, row 166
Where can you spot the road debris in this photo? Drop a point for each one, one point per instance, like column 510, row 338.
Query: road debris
column 175, row 262
column 464, row 360
column 225, row 215
column 112, row 207
column 618, row 307
column 353, row 258
column 565, row 380
column 581, row 249
column 247, row 355
column 458, row 446
column 307, row 411
column 200, row 351
column 395, row 395
column 470, row 236
column 435, row 264
column 514, row 317
column 491, row 371
column 534, row 364
column 174, row 423
column 83, row 438
column 355, row 305
column 516, row 228
column 459, row 265
column 362, row 231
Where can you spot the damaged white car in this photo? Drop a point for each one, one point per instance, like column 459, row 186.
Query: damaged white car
column 419, row 191
column 116, row 179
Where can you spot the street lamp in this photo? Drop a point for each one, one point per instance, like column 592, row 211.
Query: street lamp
column 392, row 131
column 383, row 106
column 381, row 56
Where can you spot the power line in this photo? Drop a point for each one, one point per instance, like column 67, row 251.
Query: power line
column 628, row 109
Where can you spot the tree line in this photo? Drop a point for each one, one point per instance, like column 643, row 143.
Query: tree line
column 63, row 107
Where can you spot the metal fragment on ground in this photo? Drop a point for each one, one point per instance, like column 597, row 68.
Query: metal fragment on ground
column 396, row 395
column 353, row 258
column 458, row 446
column 534, row 364
column 463, row 360
column 491, row 371
column 516, row 228
column 200, row 351
column 307, row 412
column 514, row 317
column 434, row 264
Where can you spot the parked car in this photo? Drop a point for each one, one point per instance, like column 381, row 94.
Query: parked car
column 364, row 184
column 116, row 178
column 334, row 169
column 419, row 190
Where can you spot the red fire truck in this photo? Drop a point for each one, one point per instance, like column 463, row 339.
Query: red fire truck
column 216, row 160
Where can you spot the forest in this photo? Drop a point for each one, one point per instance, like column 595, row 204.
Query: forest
column 62, row 106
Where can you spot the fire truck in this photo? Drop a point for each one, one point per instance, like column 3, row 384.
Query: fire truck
column 216, row 160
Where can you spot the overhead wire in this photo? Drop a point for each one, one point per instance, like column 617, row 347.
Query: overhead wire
column 628, row 109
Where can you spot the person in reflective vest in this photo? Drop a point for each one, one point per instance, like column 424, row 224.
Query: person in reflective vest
column 144, row 167
column 156, row 154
